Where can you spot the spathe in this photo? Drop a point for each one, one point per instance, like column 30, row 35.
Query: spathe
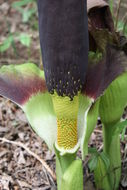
column 26, row 86
column 99, row 15
column 100, row 25
column 101, row 73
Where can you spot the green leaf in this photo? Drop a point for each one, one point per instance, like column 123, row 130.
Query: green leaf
column 94, row 159
column 93, row 162
column 73, row 177
column 101, row 174
column 92, row 150
column 7, row 43
column 21, row 3
column 99, row 163
column 105, row 159
column 120, row 127
column 25, row 39
column 26, row 14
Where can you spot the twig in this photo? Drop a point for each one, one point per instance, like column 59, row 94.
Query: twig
column 31, row 153
column 97, row 131
column 117, row 13
column 100, row 148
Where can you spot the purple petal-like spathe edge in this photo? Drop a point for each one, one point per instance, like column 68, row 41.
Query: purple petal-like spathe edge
column 101, row 74
column 95, row 3
column 100, row 24
column 20, row 88
column 99, row 15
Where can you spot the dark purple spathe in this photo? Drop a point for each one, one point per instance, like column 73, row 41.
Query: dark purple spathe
column 63, row 31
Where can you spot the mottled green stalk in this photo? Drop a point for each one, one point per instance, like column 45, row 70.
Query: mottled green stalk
column 111, row 108
column 69, row 172
column 107, row 177
column 100, row 175
column 112, row 149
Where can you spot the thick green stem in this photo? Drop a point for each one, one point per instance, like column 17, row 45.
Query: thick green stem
column 62, row 163
column 100, row 175
column 112, row 149
column 69, row 172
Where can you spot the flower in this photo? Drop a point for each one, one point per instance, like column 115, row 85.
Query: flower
column 61, row 102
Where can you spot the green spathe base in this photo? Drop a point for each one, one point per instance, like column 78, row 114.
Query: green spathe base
column 91, row 121
column 42, row 117
column 25, row 85
column 40, row 114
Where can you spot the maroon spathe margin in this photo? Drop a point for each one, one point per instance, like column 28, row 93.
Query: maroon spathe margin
column 99, row 15
column 100, row 75
column 19, row 88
